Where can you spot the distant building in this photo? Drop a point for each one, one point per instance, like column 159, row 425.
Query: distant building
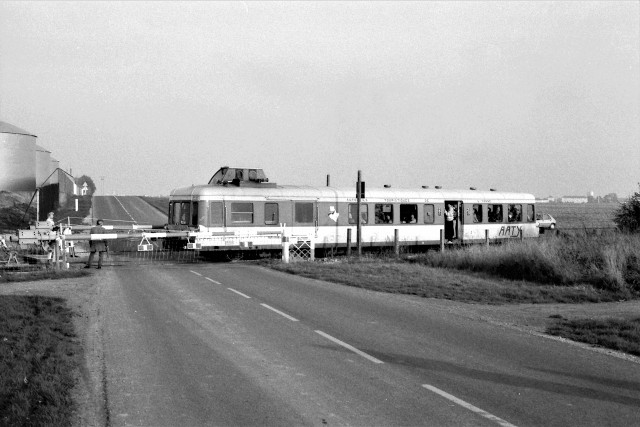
column 544, row 200
column 574, row 199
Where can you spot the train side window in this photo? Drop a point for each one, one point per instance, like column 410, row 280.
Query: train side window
column 531, row 213
column 184, row 213
column 515, row 213
column 384, row 214
column 242, row 213
column 194, row 214
column 477, row 213
column 353, row 213
column 494, row 213
column 271, row 214
column 216, row 214
column 408, row 214
column 429, row 217
column 304, row 213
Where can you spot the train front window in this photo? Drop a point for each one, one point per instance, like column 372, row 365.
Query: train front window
column 242, row 213
column 184, row 213
column 353, row 213
column 409, row 214
column 271, row 214
column 428, row 214
column 304, row 213
column 216, row 214
column 384, row 214
column 194, row 214
column 170, row 215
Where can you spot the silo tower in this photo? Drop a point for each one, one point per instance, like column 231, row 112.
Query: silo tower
column 17, row 159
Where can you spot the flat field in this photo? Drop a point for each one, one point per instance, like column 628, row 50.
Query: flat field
column 580, row 215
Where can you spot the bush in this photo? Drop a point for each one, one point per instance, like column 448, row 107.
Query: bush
column 627, row 217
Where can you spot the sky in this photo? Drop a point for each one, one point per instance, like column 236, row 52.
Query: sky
column 536, row 97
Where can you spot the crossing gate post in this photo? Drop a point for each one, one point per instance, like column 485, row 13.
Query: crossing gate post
column 285, row 249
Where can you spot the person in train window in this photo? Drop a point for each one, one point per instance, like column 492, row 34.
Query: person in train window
column 475, row 215
column 412, row 220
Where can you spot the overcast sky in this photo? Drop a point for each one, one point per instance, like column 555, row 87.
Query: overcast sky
column 538, row 97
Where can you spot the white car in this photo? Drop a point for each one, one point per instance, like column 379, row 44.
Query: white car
column 544, row 220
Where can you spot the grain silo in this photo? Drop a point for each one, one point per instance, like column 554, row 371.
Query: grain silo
column 43, row 165
column 17, row 159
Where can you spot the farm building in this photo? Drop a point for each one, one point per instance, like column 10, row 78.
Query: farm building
column 574, row 199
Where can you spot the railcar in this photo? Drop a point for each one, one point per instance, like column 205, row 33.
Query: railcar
column 239, row 209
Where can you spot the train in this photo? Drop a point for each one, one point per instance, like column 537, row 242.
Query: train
column 240, row 210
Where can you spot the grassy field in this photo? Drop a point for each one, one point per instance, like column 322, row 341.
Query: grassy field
column 38, row 354
column 160, row 203
column 580, row 215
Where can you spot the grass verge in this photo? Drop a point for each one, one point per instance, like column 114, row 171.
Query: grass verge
column 38, row 353
column 617, row 334
column 399, row 276
column 46, row 274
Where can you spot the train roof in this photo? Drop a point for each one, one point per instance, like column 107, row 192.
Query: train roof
column 296, row 192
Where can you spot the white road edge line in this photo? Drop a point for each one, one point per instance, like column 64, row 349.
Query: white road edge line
column 196, row 273
column 293, row 319
column 468, row 406
column 211, row 280
column 239, row 293
column 349, row 347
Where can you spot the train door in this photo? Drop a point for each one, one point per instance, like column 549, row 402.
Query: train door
column 453, row 220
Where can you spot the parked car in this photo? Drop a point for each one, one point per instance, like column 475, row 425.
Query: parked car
column 544, row 220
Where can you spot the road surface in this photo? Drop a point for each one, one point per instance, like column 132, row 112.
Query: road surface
column 236, row 344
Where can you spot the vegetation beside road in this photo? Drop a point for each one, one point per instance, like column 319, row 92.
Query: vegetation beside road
column 613, row 333
column 38, row 354
column 39, row 274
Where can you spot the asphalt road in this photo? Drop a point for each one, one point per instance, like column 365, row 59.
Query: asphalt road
column 236, row 344
column 126, row 210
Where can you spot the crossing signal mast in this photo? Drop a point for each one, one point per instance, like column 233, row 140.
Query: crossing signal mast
column 359, row 196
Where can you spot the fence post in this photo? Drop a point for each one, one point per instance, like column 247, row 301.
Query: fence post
column 312, row 248
column 441, row 240
column 486, row 238
column 348, row 242
column 396, row 242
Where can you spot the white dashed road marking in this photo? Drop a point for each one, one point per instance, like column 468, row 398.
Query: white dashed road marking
column 468, row 406
column 211, row 280
column 293, row 319
column 350, row 347
column 196, row 273
column 239, row 293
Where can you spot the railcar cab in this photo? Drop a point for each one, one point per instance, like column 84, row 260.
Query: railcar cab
column 188, row 212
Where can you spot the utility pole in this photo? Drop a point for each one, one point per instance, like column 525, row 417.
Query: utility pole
column 359, row 188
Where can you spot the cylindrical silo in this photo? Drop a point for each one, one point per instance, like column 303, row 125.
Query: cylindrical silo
column 17, row 159
column 43, row 166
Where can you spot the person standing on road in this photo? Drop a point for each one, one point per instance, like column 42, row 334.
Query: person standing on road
column 99, row 246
